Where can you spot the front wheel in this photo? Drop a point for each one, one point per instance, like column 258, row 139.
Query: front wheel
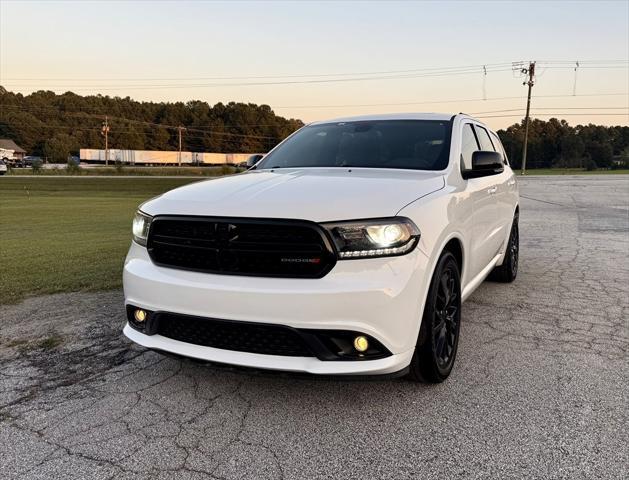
column 438, row 338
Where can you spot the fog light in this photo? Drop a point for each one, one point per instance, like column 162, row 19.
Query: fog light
column 361, row 344
column 139, row 315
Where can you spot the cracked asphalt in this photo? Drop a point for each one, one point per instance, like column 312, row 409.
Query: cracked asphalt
column 539, row 389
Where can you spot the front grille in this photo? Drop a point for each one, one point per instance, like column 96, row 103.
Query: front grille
column 236, row 246
column 232, row 335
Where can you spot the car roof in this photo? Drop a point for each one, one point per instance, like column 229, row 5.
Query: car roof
column 390, row 116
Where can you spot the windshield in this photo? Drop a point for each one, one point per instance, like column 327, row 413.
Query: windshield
column 409, row 144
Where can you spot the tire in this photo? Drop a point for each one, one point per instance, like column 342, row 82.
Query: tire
column 438, row 339
column 508, row 271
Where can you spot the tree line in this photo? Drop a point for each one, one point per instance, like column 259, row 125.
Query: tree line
column 55, row 126
column 554, row 143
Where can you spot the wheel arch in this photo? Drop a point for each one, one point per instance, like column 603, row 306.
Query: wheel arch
column 455, row 247
column 455, row 244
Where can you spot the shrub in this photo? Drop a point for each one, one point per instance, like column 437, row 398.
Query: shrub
column 590, row 165
column 36, row 166
column 227, row 170
column 72, row 168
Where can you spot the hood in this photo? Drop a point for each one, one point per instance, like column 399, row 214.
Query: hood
column 317, row 194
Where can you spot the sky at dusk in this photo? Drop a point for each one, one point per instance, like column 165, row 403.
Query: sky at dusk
column 318, row 60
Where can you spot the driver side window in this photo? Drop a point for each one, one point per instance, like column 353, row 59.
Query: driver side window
column 469, row 145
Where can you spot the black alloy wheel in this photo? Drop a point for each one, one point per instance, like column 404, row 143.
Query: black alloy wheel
column 438, row 339
column 514, row 247
column 508, row 271
column 447, row 313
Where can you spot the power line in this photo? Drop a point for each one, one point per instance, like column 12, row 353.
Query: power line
column 173, row 127
column 583, row 62
column 245, row 77
column 284, row 82
column 446, row 73
column 477, row 67
column 552, row 108
column 203, row 132
column 82, row 114
column 581, row 108
column 464, row 100
column 115, row 131
column 596, row 114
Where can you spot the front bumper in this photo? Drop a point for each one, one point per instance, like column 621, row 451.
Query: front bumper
column 382, row 298
column 389, row 365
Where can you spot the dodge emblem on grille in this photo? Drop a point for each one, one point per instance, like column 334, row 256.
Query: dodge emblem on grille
column 301, row 260
column 226, row 233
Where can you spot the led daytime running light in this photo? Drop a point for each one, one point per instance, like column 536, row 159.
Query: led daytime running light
column 378, row 252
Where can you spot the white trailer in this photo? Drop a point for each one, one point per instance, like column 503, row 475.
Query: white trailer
column 161, row 157
column 135, row 157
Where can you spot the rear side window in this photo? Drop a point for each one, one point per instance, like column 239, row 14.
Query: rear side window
column 484, row 140
column 469, row 145
column 499, row 147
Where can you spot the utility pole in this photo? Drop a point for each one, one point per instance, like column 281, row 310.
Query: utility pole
column 105, row 132
column 180, row 129
column 531, row 81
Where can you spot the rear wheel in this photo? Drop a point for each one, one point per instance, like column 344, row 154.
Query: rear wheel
column 438, row 338
column 509, row 269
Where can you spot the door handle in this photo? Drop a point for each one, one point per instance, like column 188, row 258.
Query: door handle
column 492, row 190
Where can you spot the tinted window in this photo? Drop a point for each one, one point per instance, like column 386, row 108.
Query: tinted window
column 468, row 146
column 484, row 140
column 411, row 144
column 499, row 147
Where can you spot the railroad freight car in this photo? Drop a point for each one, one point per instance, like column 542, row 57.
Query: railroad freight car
column 159, row 157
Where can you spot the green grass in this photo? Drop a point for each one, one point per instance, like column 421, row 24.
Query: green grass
column 571, row 171
column 68, row 234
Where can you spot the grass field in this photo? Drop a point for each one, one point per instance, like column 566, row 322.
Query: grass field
column 68, row 234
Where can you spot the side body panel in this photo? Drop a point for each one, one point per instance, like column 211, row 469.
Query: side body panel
column 477, row 213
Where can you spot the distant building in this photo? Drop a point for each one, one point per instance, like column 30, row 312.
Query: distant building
column 7, row 144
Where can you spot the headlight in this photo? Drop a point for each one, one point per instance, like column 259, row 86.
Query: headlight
column 141, row 225
column 383, row 237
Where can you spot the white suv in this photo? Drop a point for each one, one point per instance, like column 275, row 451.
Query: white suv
column 348, row 249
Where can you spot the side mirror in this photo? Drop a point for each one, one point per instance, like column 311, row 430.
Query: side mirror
column 485, row 163
column 253, row 159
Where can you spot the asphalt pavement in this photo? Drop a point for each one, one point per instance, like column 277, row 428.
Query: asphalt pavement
column 539, row 389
